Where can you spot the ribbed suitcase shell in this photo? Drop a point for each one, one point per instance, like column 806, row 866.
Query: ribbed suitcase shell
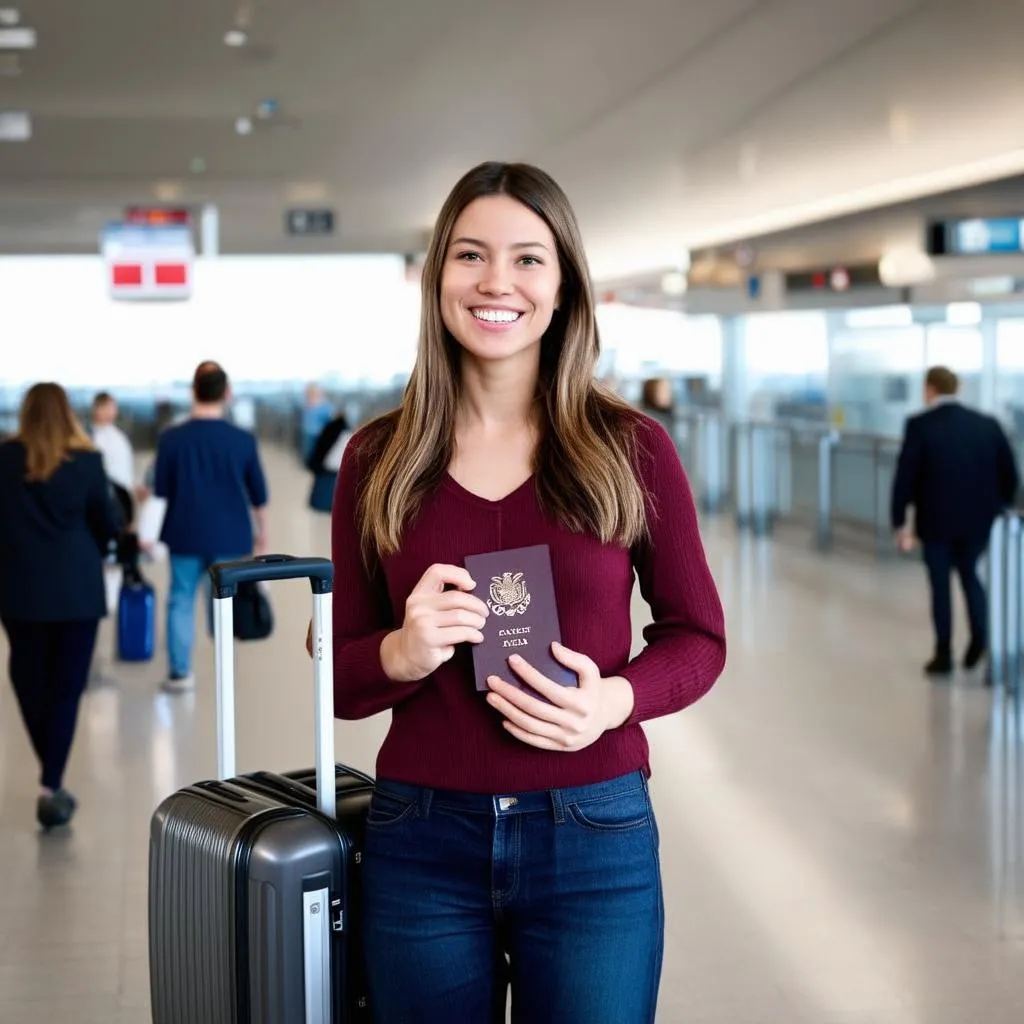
column 228, row 864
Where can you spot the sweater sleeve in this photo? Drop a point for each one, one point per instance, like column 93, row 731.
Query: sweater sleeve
column 362, row 608
column 685, row 651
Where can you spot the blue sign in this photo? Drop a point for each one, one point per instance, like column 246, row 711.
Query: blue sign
column 981, row 236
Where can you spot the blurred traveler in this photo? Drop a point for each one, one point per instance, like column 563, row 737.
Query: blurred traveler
column 325, row 461
column 209, row 474
column 957, row 469
column 57, row 516
column 316, row 414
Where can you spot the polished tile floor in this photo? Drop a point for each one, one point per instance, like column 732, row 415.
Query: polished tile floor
column 842, row 839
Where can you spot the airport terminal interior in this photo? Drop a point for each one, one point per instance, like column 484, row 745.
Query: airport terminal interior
column 792, row 209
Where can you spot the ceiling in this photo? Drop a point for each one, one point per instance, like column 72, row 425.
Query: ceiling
column 671, row 123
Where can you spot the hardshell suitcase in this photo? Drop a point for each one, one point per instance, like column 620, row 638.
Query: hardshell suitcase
column 253, row 879
column 136, row 620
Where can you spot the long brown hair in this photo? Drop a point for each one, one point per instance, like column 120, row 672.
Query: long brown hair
column 583, row 464
column 49, row 430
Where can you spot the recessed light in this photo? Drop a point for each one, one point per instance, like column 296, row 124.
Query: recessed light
column 15, row 126
column 18, row 38
column 235, row 37
column 167, row 191
column 9, row 16
column 243, row 126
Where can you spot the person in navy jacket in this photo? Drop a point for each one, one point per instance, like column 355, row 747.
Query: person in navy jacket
column 957, row 469
column 57, row 518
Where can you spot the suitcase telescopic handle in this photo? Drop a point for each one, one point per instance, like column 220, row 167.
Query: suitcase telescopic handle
column 226, row 578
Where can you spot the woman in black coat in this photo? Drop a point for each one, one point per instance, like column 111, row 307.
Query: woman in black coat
column 57, row 519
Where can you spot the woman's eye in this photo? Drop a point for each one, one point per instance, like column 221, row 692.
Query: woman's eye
column 468, row 257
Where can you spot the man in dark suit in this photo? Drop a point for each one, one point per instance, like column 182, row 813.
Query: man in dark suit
column 957, row 469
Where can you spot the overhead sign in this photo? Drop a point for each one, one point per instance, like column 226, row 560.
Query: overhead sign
column 976, row 236
column 157, row 216
column 148, row 263
column 834, row 279
column 309, row 222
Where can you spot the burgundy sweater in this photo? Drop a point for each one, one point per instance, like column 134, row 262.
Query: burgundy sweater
column 443, row 733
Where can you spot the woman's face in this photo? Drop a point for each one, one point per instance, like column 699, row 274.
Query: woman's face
column 500, row 283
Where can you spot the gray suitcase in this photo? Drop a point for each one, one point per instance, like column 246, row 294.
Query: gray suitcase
column 253, row 880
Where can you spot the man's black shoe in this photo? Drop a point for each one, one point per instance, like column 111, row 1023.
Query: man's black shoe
column 975, row 652
column 940, row 665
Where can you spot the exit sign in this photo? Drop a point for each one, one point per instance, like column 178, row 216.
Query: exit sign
column 309, row 222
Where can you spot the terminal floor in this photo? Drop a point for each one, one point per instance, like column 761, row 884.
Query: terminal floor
column 841, row 838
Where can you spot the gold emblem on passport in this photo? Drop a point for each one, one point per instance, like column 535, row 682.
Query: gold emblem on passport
column 509, row 595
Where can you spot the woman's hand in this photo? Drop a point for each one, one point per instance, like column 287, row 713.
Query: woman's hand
column 436, row 621
column 576, row 716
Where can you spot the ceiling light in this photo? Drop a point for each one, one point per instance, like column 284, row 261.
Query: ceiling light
column 243, row 126
column 904, row 266
column 167, row 191
column 673, row 283
column 235, row 37
column 9, row 16
column 17, row 38
column 15, row 126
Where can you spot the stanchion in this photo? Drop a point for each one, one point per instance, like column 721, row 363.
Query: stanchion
column 744, row 495
column 824, row 531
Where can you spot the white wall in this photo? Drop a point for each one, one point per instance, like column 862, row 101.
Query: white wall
column 264, row 318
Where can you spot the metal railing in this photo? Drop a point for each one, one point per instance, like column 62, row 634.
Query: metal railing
column 835, row 484
column 1004, row 577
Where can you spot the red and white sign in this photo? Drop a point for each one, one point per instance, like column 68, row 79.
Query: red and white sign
column 148, row 262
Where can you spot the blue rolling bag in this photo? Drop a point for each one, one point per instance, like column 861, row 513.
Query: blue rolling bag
column 136, row 619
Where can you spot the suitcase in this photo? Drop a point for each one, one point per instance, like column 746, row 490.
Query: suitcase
column 136, row 620
column 253, row 879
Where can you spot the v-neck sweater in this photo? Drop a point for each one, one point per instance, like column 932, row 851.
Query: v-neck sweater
column 443, row 733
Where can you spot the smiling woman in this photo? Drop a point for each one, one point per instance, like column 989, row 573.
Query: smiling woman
column 503, row 442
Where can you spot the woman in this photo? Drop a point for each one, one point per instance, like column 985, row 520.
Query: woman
column 324, row 461
column 56, row 519
column 510, row 836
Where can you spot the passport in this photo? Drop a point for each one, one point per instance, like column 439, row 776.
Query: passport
column 518, row 587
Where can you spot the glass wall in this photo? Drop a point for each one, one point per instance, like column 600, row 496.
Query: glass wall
column 638, row 344
column 1009, row 386
column 785, row 364
column 875, row 377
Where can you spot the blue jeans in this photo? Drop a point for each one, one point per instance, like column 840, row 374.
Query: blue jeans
column 186, row 573
column 556, row 892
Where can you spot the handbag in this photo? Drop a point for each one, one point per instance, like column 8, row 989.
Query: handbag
column 253, row 616
column 332, row 460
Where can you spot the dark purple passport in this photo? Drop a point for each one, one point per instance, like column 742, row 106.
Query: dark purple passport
column 519, row 589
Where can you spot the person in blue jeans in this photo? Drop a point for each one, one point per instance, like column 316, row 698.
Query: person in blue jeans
column 511, row 843
column 209, row 473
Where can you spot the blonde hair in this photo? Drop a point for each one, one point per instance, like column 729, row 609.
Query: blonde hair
column 49, row 430
column 583, row 464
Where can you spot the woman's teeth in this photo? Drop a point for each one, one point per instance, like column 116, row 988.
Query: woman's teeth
column 497, row 316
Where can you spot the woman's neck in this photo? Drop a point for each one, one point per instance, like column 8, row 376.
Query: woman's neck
column 498, row 397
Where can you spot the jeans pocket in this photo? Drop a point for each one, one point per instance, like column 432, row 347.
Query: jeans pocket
column 386, row 809
column 622, row 813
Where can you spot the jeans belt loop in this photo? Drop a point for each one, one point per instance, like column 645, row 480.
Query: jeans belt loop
column 426, row 795
column 558, row 806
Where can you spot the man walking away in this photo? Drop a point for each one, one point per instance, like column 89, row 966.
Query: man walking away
column 957, row 469
column 209, row 473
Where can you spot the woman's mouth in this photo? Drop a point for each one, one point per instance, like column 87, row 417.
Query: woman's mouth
column 500, row 317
